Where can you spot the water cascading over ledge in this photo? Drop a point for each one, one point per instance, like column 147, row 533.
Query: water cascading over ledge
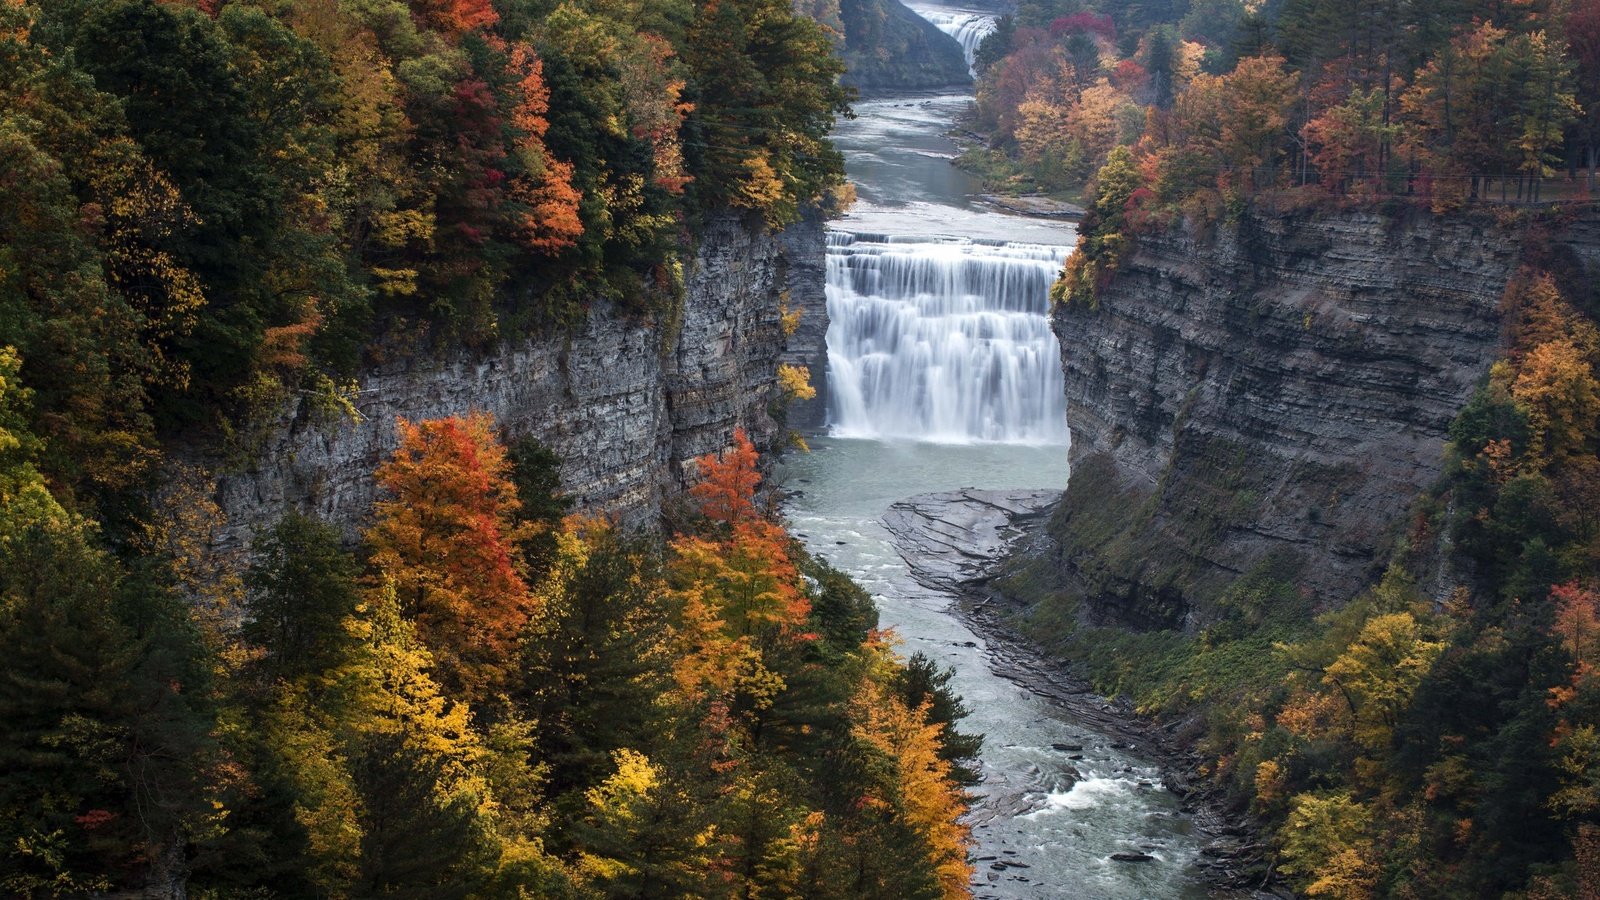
column 943, row 340
column 968, row 28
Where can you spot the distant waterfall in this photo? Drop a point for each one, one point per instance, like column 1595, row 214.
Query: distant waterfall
column 943, row 339
column 969, row 29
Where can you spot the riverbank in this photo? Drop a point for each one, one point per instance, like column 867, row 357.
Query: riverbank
column 950, row 542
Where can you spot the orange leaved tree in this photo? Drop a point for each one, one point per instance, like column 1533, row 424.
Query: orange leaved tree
column 445, row 541
column 737, row 586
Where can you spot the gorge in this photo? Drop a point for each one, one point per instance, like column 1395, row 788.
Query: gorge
column 942, row 374
column 583, row 449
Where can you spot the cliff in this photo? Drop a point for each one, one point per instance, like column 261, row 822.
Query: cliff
column 806, row 296
column 626, row 403
column 1274, row 393
column 887, row 47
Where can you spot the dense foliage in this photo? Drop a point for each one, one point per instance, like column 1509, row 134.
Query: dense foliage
column 445, row 714
column 1221, row 101
column 209, row 206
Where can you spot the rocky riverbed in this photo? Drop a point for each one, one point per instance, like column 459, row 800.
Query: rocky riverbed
column 949, row 542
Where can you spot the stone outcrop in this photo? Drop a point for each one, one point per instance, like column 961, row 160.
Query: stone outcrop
column 627, row 403
column 1275, row 393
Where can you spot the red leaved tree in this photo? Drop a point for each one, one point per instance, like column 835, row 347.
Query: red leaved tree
column 444, row 542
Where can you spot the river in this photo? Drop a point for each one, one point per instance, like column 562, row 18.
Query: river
column 943, row 374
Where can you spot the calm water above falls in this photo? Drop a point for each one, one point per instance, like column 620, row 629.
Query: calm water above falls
column 952, row 381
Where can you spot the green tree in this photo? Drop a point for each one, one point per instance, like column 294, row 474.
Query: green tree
column 303, row 588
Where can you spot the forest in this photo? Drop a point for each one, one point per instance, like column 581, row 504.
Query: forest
column 1400, row 744
column 210, row 207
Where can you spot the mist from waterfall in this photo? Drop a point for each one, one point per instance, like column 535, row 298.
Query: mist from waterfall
column 943, row 339
column 968, row 28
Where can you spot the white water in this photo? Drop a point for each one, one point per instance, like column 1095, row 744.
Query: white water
column 968, row 28
column 943, row 339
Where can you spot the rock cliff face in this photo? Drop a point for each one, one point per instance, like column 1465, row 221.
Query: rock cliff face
column 887, row 47
column 1279, row 390
column 627, row 404
column 807, row 297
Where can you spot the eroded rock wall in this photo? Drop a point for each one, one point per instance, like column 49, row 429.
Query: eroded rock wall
column 1281, row 389
column 887, row 47
column 807, row 297
column 626, row 402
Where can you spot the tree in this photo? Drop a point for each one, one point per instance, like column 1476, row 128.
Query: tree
column 1255, row 102
column 304, row 587
column 1543, row 73
column 727, row 486
column 643, row 836
column 763, row 82
column 1578, row 622
column 456, row 16
column 593, row 652
column 1326, row 844
column 1106, row 234
column 1557, row 386
column 110, row 766
column 1378, row 673
column 445, row 541
column 1349, row 141
column 417, row 763
column 551, row 222
column 921, row 684
column 922, row 792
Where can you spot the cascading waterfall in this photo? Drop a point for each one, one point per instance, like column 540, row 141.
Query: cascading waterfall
column 969, row 29
column 943, row 339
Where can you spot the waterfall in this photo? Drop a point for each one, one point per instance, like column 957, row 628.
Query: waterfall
column 969, row 29
column 943, row 339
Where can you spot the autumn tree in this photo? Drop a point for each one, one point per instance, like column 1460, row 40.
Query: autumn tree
column 1349, row 141
column 1106, row 235
column 1557, row 385
column 922, row 791
column 550, row 222
column 1328, row 847
column 444, row 541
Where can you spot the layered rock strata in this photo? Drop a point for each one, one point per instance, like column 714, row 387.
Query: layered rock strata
column 1276, row 392
column 627, row 403
column 806, row 297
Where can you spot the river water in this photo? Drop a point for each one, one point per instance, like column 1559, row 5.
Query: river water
column 943, row 375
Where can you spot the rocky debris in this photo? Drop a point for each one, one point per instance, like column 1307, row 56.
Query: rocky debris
column 1132, row 856
column 951, row 538
column 1035, row 205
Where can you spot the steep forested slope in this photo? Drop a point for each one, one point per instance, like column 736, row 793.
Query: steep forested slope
column 1331, row 385
column 212, row 212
